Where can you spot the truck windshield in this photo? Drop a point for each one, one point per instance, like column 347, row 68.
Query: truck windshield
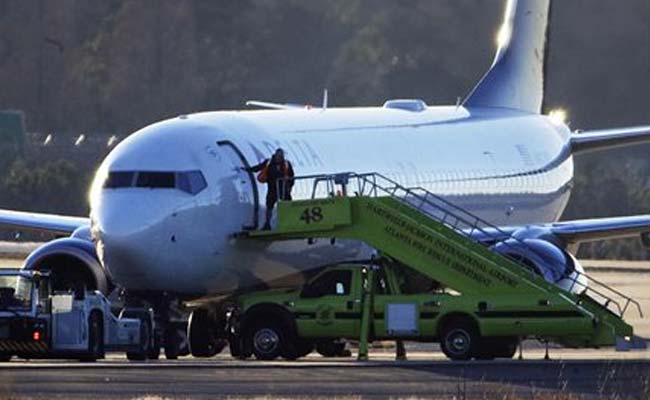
column 15, row 292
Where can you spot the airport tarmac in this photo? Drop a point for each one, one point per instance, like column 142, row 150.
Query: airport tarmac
column 315, row 377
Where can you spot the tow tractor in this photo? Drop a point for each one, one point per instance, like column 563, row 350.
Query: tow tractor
column 37, row 323
column 485, row 294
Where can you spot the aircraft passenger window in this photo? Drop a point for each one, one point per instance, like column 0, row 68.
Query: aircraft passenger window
column 191, row 182
column 335, row 283
column 156, row 180
column 119, row 179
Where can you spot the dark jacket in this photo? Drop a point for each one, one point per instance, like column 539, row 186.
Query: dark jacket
column 276, row 175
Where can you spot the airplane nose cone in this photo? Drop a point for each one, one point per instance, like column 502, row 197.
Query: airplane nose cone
column 127, row 231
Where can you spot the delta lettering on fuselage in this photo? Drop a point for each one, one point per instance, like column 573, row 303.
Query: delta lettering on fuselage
column 299, row 152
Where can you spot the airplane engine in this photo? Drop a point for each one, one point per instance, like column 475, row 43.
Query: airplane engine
column 72, row 262
column 542, row 254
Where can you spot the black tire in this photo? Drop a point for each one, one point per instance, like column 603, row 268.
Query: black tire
column 154, row 349
column 145, row 343
column 331, row 348
column 172, row 343
column 509, row 348
column 505, row 347
column 268, row 340
column 304, row 347
column 95, row 338
column 459, row 339
column 239, row 348
column 496, row 347
column 200, row 334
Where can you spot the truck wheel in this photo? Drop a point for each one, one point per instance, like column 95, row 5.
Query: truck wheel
column 505, row 347
column 459, row 339
column 331, row 348
column 202, row 340
column 304, row 347
column 267, row 340
column 145, row 343
column 95, row 338
column 496, row 347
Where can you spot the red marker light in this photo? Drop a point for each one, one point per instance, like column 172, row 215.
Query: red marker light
column 37, row 336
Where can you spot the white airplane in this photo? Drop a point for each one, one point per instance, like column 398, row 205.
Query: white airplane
column 167, row 200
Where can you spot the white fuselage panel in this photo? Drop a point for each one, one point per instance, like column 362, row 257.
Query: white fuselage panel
column 507, row 167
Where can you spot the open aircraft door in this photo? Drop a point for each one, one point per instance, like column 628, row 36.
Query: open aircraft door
column 246, row 182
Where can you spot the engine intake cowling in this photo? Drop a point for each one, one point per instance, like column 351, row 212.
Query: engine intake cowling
column 72, row 262
column 544, row 258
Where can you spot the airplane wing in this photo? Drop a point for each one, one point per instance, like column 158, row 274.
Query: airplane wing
column 58, row 224
column 589, row 230
column 584, row 142
column 579, row 231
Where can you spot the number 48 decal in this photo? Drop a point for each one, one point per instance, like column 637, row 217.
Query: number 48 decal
column 314, row 214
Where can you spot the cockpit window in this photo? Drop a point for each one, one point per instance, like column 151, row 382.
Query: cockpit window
column 191, row 182
column 156, row 179
column 119, row 180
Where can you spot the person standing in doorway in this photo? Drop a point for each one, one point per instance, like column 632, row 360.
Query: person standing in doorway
column 277, row 173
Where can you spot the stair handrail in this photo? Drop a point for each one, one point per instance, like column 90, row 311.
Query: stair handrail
column 504, row 236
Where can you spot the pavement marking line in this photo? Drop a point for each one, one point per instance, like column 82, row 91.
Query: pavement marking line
column 312, row 364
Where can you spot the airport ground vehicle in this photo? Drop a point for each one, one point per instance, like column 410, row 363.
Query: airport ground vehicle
column 332, row 305
column 492, row 286
column 36, row 323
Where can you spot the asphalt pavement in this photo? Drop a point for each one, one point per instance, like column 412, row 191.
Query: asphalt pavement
column 315, row 377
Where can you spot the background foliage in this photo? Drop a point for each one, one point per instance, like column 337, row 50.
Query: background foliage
column 110, row 67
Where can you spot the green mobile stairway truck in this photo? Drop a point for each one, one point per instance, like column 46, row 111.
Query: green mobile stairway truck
column 482, row 299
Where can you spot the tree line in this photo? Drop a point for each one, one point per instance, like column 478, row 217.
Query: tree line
column 114, row 66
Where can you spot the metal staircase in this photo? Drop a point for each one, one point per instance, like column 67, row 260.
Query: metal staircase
column 462, row 222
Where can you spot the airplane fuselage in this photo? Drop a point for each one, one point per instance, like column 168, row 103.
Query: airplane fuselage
column 508, row 167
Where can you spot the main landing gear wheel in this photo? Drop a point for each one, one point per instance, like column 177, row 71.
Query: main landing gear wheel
column 172, row 343
column 459, row 339
column 201, row 334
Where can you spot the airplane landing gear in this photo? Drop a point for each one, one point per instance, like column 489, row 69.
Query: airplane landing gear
column 202, row 331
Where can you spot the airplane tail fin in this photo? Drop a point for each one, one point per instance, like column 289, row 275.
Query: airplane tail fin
column 516, row 78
